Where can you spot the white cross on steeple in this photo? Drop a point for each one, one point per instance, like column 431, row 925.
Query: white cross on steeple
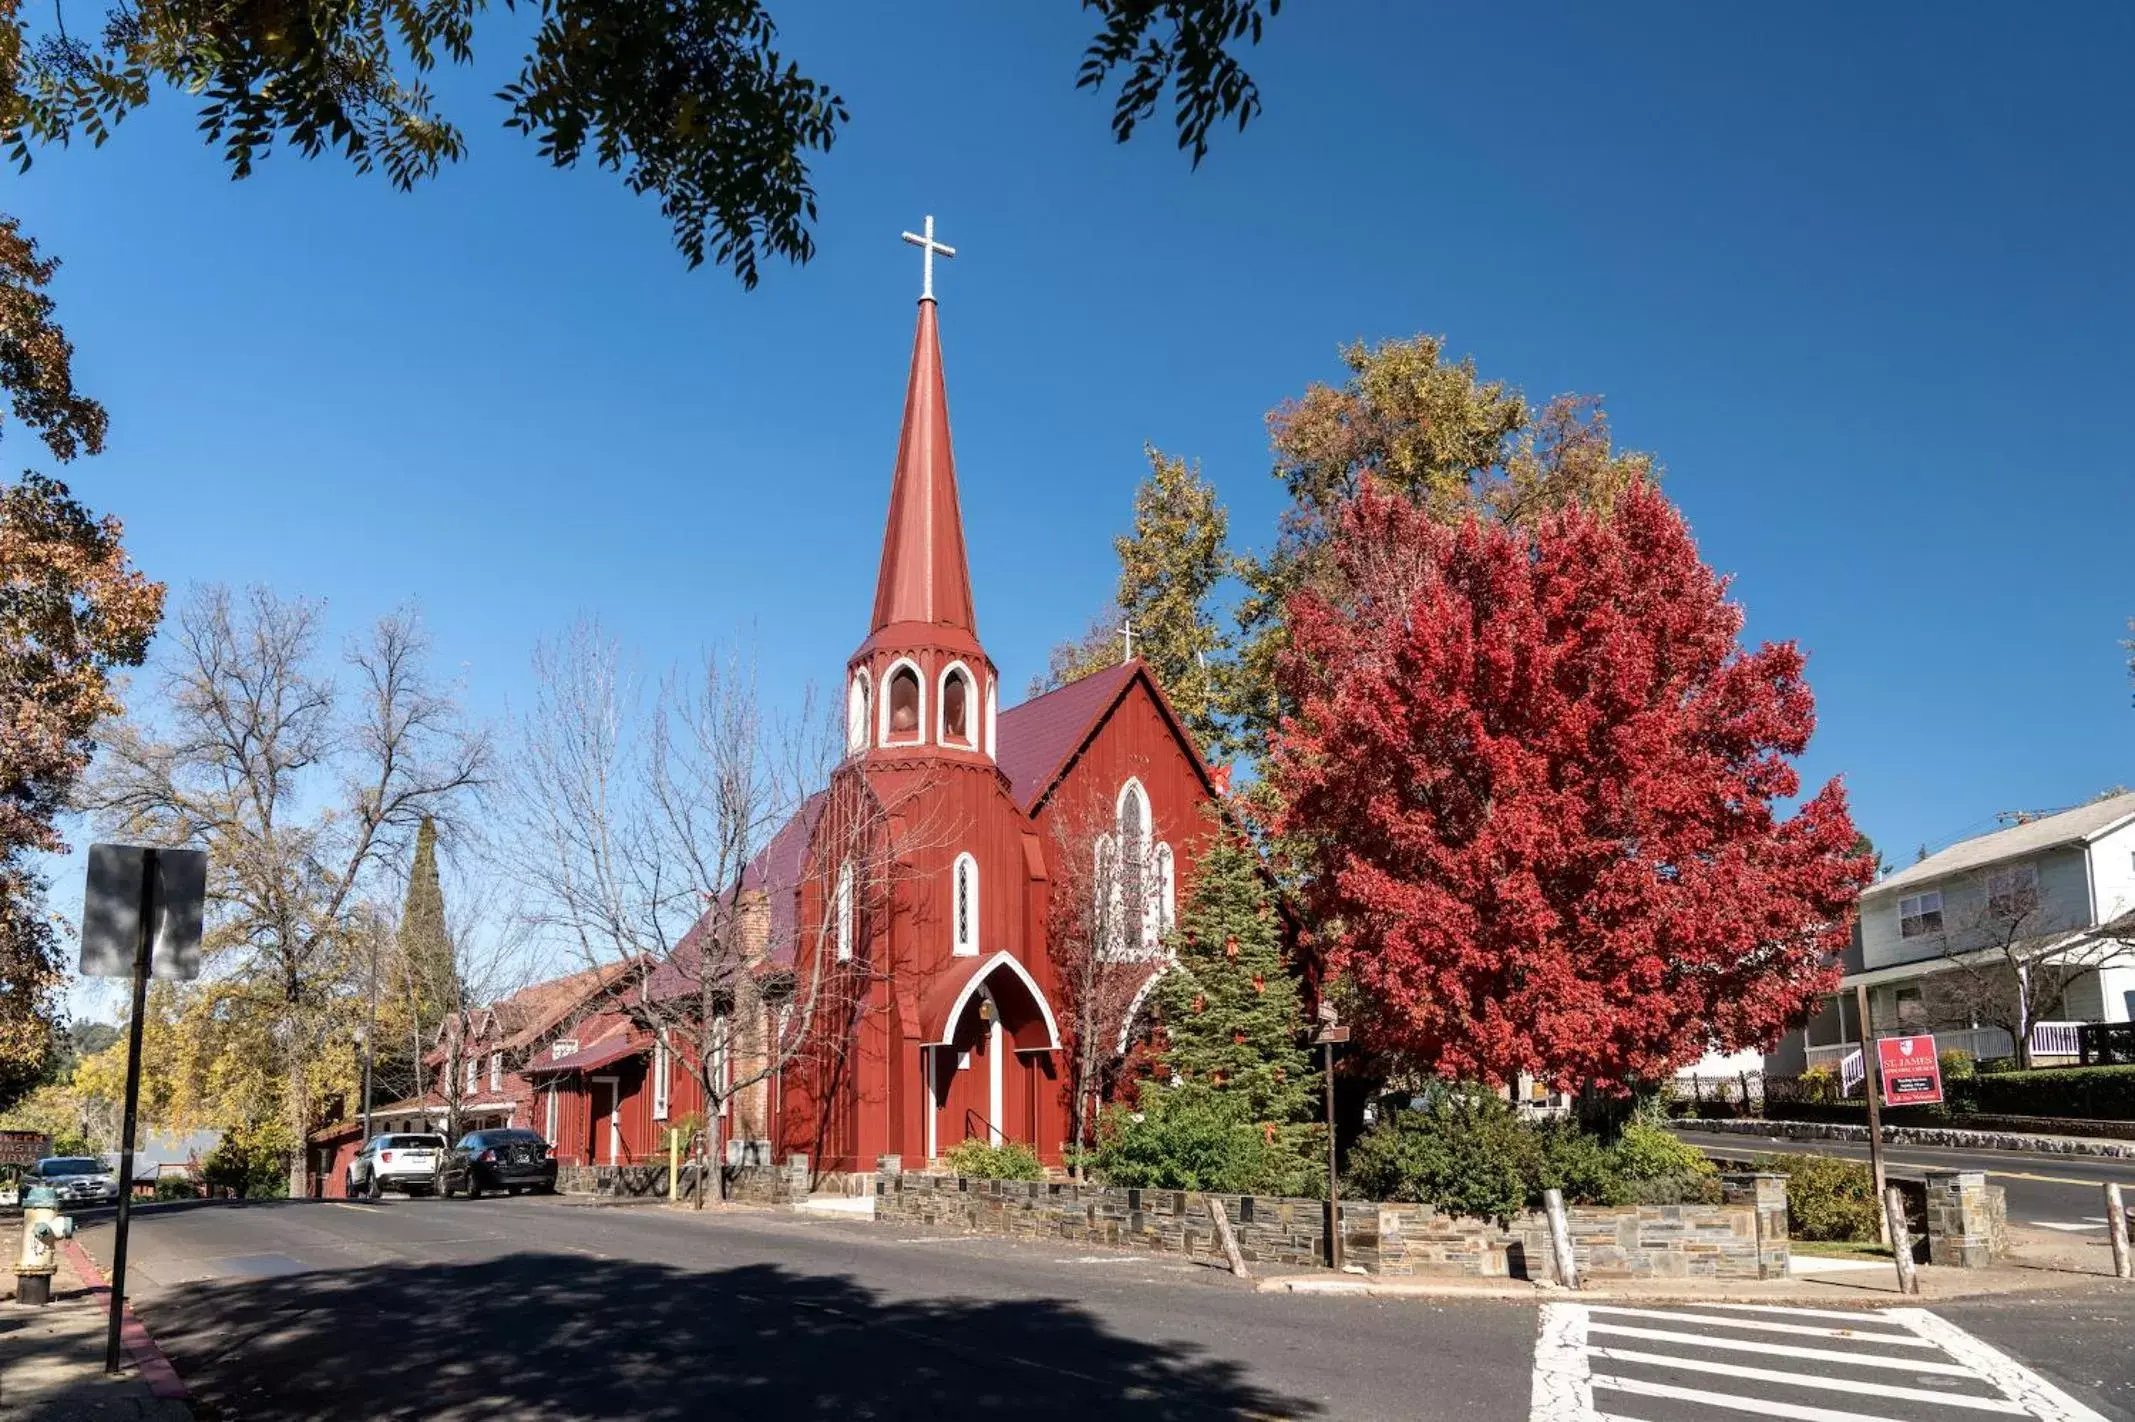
column 928, row 245
column 1126, row 635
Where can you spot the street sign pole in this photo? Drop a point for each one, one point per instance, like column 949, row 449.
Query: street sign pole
column 142, row 943
column 1872, row 1087
column 1330, row 1033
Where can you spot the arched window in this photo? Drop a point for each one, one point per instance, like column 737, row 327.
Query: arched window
column 844, row 912
column 902, row 723
column 964, row 919
column 958, row 707
column 1163, row 900
column 1134, row 866
column 856, row 713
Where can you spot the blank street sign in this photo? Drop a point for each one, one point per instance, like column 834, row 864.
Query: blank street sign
column 111, row 911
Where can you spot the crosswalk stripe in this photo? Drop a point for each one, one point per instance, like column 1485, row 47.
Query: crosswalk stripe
column 1780, row 1350
column 1852, row 1315
column 2042, row 1398
column 1761, row 1406
column 1762, row 1325
column 1810, row 1380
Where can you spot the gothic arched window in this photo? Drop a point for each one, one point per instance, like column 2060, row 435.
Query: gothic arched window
column 957, row 708
column 964, row 911
column 857, row 710
column 843, row 910
column 1134, row 865
column 903, row 727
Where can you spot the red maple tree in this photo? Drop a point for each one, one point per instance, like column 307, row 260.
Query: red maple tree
column 1531, row 783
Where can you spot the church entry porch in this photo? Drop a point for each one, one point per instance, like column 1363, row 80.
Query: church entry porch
column 990, row 1071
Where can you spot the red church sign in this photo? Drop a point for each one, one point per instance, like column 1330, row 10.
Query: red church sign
column 1912, row 1074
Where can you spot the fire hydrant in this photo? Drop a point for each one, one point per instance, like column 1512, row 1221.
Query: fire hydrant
column 43, row 1226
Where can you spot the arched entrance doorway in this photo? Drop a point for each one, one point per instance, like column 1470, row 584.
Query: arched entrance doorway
column 989, row 1059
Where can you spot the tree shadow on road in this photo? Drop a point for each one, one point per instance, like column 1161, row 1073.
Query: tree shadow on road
column 563, row 1335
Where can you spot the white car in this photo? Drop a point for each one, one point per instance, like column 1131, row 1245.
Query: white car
column 79, row 1179
column 407, row 1163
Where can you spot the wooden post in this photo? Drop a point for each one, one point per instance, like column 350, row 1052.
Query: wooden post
column 1334, row 1185
column 2116, row 1225
column 1224, row 1237
column 1872, row 1088
column 1901, row 1245
column 1560, row 1239
column 674, row 1165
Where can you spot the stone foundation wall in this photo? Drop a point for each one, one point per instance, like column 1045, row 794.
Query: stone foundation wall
column 1742, row 1240
column 2048, row 1144
column 752, row 1184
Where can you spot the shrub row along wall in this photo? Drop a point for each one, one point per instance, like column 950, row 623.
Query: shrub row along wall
column 1743, row 1239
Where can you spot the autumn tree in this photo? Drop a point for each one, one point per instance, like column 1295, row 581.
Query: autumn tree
column 73, row 611
column 1170, row 565
column 1533, row 787
column 693, row 103
column 1430, row 431
column 302, row 787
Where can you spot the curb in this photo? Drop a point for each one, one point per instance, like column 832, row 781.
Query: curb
column 148, row 1359
column 1947, row 1137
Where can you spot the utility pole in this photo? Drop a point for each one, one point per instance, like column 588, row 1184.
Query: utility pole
column 1872, row 1085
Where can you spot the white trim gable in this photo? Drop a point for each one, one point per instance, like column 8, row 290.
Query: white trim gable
column 976, row 984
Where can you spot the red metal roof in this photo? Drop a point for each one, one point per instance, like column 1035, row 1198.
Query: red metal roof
column 585, row 1059
column 1034, row 740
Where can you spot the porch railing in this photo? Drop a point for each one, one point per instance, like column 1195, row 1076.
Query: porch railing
column 1852, row 1071
column 2056, row 1039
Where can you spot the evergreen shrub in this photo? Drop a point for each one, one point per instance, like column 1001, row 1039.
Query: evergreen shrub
column 1829, row 1198
column 978, row 1160
column 2099, row 1093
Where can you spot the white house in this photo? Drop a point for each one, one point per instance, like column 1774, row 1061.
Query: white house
column 2054, row 894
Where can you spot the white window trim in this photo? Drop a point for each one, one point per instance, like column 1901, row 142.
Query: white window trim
column 859, row 711
column 993, row 699
column 1146, row 944
column 1920, row 911
column 471, row 1077
column 550, row 1118
column 882, row 712
column 722, row 1063
column 2011, row 884
column 842, row 913
column 959, row 915
column 1166, row 902
column 970, row 740
column 496, row 1071
column 662, row 1080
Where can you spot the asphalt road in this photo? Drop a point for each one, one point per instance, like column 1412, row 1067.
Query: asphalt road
column 536, row 1308
column 2040, row 1188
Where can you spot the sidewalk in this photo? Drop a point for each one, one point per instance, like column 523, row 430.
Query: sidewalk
column 52, row 1359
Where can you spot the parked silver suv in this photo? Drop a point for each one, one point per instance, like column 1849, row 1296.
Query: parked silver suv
column 407, row 1163
column 79, row 1179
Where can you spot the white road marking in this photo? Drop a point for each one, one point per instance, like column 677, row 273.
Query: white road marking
column 2068, row 1226
column 1577, row 1358
column 1101, row 1259
column 1807, row 1330
column 1763, row 1407
column 2041, row 1397
column 1808, row 1380
column 1780, row 1350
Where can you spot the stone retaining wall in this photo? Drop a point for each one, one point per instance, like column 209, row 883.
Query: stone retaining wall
column 1918, row 1135
column 754, row 1184
column 1745, row 1239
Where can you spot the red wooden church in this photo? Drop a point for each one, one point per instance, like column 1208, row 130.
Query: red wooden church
column 958, row 1027
column 937, row 1014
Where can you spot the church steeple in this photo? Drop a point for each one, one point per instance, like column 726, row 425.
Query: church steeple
column 921, row 683
column 924, row 576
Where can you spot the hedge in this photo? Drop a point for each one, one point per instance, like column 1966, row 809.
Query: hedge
column 2101, row 1093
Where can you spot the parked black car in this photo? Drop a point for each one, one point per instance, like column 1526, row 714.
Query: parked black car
column 505, row 1159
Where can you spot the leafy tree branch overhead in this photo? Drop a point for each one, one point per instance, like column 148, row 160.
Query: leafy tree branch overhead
column 691, row 101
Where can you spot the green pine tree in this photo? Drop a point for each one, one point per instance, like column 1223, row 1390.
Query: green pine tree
column 1232, row 1026
column 431, row 973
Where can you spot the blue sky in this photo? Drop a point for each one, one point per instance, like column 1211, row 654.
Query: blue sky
column 1858, row 275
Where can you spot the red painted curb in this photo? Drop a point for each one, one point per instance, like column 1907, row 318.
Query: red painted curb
column 148, row 1359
